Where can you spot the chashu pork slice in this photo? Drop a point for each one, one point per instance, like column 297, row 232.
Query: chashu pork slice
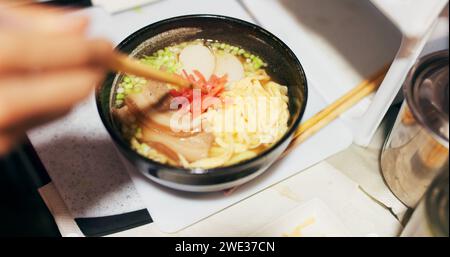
column 143, row 109
column 194, row 148
column 153, row 95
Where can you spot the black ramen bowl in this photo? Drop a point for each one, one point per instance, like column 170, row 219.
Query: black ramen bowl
column 283, row 67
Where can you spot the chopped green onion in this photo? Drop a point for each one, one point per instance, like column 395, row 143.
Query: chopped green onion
column 120, row 96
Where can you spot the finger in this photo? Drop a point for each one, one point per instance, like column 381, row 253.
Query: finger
column 24, row 7
column 33, row 52
column 35, row 121
column 12, row 136
column 42, row 19
column 6, row 144
column 21, row 99
column 9, row 141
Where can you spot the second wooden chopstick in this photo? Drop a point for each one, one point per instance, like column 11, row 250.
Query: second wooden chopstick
column 329, row 114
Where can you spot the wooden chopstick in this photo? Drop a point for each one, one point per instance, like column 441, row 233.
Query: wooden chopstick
column 343, row 104
column 122, row 63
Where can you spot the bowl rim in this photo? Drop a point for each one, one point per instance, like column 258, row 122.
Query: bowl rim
column 227, row 170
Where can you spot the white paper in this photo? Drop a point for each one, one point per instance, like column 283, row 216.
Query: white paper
column 311, row 219
column 413, row 17
column 341, row 43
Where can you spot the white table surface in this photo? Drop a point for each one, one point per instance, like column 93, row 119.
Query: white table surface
column 348, row 185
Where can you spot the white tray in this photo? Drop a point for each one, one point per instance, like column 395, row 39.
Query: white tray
column 172, row 211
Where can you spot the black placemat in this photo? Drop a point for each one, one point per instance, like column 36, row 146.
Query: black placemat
column 23, row 212
column 21, row 174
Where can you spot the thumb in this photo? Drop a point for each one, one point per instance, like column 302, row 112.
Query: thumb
column 37, row 19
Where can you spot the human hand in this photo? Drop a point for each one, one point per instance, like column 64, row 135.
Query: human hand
column 47, row 65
